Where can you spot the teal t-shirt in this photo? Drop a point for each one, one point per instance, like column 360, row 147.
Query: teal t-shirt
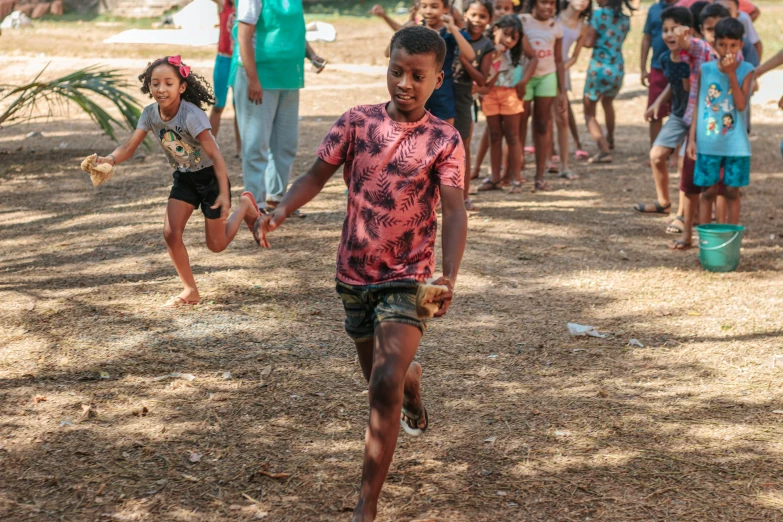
column 721, row 130
column 279, row 43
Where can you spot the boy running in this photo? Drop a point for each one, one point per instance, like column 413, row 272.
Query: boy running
column 399, row 160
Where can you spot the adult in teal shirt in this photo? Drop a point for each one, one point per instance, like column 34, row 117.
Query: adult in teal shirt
column 268, row 71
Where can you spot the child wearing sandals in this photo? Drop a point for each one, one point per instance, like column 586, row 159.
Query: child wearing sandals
column 502, row 103
column 575, row 20
column 399, row 160
column 545, row 35
column 609, row 27
column 177, row 119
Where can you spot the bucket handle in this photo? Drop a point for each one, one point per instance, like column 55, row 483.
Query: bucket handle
column 736, row 235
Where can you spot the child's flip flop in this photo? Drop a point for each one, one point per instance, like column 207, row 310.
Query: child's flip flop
column 410, row 421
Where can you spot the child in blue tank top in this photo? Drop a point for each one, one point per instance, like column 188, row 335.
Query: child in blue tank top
column 718, row 134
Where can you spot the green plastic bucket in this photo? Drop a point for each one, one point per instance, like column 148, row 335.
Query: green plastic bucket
column 719, row 246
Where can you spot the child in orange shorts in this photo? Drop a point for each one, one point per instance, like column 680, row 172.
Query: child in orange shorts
column 503, row 95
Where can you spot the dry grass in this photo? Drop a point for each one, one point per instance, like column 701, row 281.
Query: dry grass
column 683, row 429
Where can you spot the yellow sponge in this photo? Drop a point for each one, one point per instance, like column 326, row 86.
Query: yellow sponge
column 98, row 173
column 425, row 292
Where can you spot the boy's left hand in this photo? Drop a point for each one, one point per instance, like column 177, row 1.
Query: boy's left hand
column 445, row 298
column 683, row 35
column 224, row 202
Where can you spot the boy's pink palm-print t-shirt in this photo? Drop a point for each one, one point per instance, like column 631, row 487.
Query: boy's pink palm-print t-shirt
column 393, row 172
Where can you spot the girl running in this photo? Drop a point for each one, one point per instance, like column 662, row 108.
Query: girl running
column 478, row 15
column 575, row 19
column 608, row 28
column 178, row 120
column 503, row 95
column 548, row 83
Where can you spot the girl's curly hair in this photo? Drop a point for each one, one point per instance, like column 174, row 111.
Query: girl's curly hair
column 585, row 15
column 198, row 90
column 511, row 21
column 531, row 4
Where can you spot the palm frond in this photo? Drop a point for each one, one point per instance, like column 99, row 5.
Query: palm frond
column 79, row 87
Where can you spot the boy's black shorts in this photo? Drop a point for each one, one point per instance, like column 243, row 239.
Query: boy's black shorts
column 198, row 188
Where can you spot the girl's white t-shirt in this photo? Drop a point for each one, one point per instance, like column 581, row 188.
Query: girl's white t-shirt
column 542, row 37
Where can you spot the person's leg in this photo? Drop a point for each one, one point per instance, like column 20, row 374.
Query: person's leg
column 255, row 128
column 732, row 196
column 593, row 127
column 495, row 127
column 220, row 232
column 511, row 133
column 466, row 143
column 561, row 120
column 659, row 157
column 284, row 145
column 708, row 197
column 177, row 215
column 608, row 104
column 237, row 135
column 690, row 205
column 721, row 205
column 523, row 129
column 481, row 154
column 574, row 129
column 393, row 352
column 542, row 135
column 655, row 129
column 214, row 119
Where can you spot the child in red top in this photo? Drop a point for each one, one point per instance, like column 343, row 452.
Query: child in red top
column 399, row 161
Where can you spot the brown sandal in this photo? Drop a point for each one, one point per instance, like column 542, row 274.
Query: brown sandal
column 488, row 185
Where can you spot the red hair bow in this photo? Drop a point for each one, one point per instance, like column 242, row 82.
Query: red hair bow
column 176, row 61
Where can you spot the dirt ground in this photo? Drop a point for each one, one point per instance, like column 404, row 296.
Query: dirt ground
column 527, row 422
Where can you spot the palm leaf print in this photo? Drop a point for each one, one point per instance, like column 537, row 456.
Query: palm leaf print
column 359, row 265
column 404, row 162
column 373, row 112
column 375, row 140
column 353, row 242
column 437, row 136
column 401, row 247
column 429, row 230
column 374, row 221
column 360, row 176
column 382, row 197
column 410, row 189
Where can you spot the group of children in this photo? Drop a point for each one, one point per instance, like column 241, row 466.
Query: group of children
column 515, row 58
column 702, row 77
column 401, row 161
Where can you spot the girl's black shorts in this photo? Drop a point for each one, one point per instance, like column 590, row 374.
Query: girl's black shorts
column 198, row 188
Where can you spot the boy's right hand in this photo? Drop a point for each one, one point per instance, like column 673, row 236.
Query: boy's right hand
column 691, row 151
column 652, row 112
column 683, row 35
column 377, row 10
column 645, row 78
column 255, row 93
column 266, row 224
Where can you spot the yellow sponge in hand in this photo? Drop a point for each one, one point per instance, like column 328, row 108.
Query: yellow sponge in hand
column 98, row 173
column 425, row 292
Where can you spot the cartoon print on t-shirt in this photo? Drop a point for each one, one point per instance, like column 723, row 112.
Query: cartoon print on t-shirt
column 728, row 123
column 184, row 154
column 712, row 126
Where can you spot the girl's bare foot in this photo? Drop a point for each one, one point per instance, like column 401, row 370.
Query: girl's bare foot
column 188, row 297
column 251, row 211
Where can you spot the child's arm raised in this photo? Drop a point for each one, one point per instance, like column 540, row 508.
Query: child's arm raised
column 124, row 151
column 465, row 49
column 210, row 148
column 772, row 63
column 378, row 11
column 455, row 233
column 741, row 94
column 301, row 192
column 476, row 74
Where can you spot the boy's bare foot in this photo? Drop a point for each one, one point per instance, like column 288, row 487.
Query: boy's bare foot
column 186, row 298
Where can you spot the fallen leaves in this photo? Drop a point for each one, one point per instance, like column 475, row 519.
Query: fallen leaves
column 88, row 410
column 194, row 457
column 39, row 398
